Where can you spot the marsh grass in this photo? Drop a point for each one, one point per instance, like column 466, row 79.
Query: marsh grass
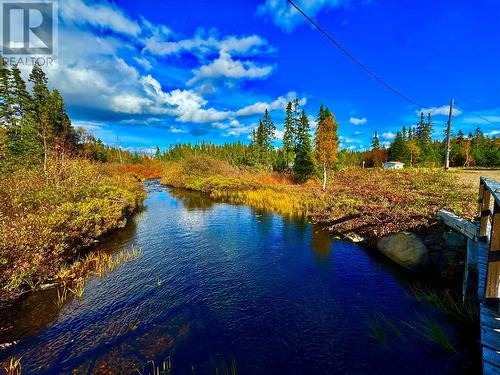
column 54, row 215
column 431, row 331
column 62, row 296
column 376, row 330
column 13, row 366
column 152, row 369
column 449, row 303
column 72, row 278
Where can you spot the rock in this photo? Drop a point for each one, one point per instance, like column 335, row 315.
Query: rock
column 433, row 239
column 353, row 237
column 406, row 249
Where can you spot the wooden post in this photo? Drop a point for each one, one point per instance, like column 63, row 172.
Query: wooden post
column 484, row 211
column 493, row 279
column 448, row 134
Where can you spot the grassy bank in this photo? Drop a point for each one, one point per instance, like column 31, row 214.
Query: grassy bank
column 369, row 202
column 47, row 218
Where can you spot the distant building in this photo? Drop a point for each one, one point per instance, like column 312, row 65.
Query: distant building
column 394, row 165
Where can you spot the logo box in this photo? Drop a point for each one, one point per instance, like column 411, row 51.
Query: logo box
column 28, row 28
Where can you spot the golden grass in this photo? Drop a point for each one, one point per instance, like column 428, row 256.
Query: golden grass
column 13, row 366
column 370, row 202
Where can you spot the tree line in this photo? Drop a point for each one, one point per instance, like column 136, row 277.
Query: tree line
column 35, row 127
column 415, row 147
column 300, row 154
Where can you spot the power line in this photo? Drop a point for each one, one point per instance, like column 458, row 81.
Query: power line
column 475, row 114
column 366, row 69
column 339, row 46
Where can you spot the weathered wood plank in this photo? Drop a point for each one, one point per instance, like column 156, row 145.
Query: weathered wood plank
column 490, row 338
column 493, row 278
column 493, row 186
column 491, row 356
column 463, row 226
column 490, row 369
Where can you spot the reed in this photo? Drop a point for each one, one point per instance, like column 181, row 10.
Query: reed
column 13, row 366
column 62, row 295
column 448, row 303
column 431, row 330
column 376, row 330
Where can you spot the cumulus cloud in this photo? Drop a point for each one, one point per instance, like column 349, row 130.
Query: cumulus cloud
column 285, row 16
column 260, row 107
column 357, row 121
column 225, row 66
column 388, row 135
column 443, row 110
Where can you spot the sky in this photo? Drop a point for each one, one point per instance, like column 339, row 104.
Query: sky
column 153, row 73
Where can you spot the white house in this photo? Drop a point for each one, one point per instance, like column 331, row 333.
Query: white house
column 394, row 165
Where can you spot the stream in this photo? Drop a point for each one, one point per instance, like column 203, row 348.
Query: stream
column 220, row 285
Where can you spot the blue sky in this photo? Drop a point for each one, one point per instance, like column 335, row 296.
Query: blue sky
column 155, row 73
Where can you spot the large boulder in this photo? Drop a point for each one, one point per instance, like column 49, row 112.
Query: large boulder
column 406, row 249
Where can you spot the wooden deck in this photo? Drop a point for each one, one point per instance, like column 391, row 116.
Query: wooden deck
column 483, row 258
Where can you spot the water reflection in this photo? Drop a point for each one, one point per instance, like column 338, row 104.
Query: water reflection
column 192, row 200
column 322, row 241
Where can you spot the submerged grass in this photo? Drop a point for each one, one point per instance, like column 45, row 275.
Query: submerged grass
column 431, row 330
column 448, row 303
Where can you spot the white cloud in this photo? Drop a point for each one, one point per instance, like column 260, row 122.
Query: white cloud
column 443, row 110
column 225, row 66
column 145, row 63
column 103, row 15
column 287, row 17
column 346, row 140
column 385, row 144
column 492, row 133
column 357, row 121
column 476, row 120
column 260, row 107
column 200, row 44
column 357, row 133
column 388, row 135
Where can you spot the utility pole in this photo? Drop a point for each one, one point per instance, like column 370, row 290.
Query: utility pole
column 448, row 133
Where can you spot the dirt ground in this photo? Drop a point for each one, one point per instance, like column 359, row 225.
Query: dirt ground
column 471, row 176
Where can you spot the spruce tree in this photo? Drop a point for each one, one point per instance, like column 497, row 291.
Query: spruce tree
column 289, row 135
column 304, row 167
column 375, row 141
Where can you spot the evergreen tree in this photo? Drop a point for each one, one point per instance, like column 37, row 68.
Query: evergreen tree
column 304, row 167
column 326, row 141
column 375, row 141
column 289, row 135
column 40, row 109
column 6, row 98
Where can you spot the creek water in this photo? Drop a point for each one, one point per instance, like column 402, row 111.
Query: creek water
column 220, row 285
